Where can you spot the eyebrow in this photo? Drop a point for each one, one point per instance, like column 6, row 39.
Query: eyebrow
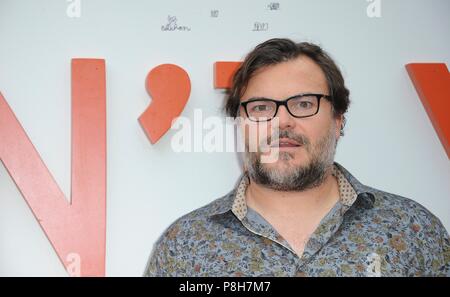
column 265, row 98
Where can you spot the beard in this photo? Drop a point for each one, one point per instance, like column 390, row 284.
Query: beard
column 294, row 177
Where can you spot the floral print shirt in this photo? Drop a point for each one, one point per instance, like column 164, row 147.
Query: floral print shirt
column 368, row 232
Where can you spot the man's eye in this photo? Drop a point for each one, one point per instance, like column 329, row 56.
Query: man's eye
column 305, row 104
column 261, row 108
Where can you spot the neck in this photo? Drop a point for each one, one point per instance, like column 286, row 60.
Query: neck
column 295, row 204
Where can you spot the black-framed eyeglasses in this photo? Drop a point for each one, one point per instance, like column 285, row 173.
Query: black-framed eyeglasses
column 299, row 106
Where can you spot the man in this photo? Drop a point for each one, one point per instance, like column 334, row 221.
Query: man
column 302, row 214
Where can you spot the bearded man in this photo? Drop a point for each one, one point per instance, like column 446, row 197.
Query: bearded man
column 299, row 213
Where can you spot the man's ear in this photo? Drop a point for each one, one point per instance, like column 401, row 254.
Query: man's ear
column 339, row 124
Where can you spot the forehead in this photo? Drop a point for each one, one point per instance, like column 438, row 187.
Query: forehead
column 282, row 80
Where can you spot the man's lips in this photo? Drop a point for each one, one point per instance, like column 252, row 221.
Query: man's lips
column 285, row 142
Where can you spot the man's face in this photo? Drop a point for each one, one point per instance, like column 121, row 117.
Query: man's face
column 306, row 146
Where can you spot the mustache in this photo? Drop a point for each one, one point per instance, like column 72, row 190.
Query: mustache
column 301, row 139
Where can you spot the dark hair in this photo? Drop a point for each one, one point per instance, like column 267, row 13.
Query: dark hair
column 277, row 50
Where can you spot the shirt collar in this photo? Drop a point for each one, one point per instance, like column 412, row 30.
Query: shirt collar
column 352, row 192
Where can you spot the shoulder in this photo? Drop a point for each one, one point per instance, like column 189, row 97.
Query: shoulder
column 198, row 219
column 175, row 248
column 424, row 232
column 405, row 211
column 411, row 229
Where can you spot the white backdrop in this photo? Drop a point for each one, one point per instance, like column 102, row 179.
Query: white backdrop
column 389, row 143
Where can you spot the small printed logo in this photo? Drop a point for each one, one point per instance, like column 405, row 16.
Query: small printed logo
column 74, row 9
column 373, row 265
column 73, row 267
column 374, row 9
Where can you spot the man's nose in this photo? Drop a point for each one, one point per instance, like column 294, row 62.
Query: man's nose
column 286, row 120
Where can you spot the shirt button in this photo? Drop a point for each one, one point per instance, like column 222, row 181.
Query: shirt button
column 366, row 200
